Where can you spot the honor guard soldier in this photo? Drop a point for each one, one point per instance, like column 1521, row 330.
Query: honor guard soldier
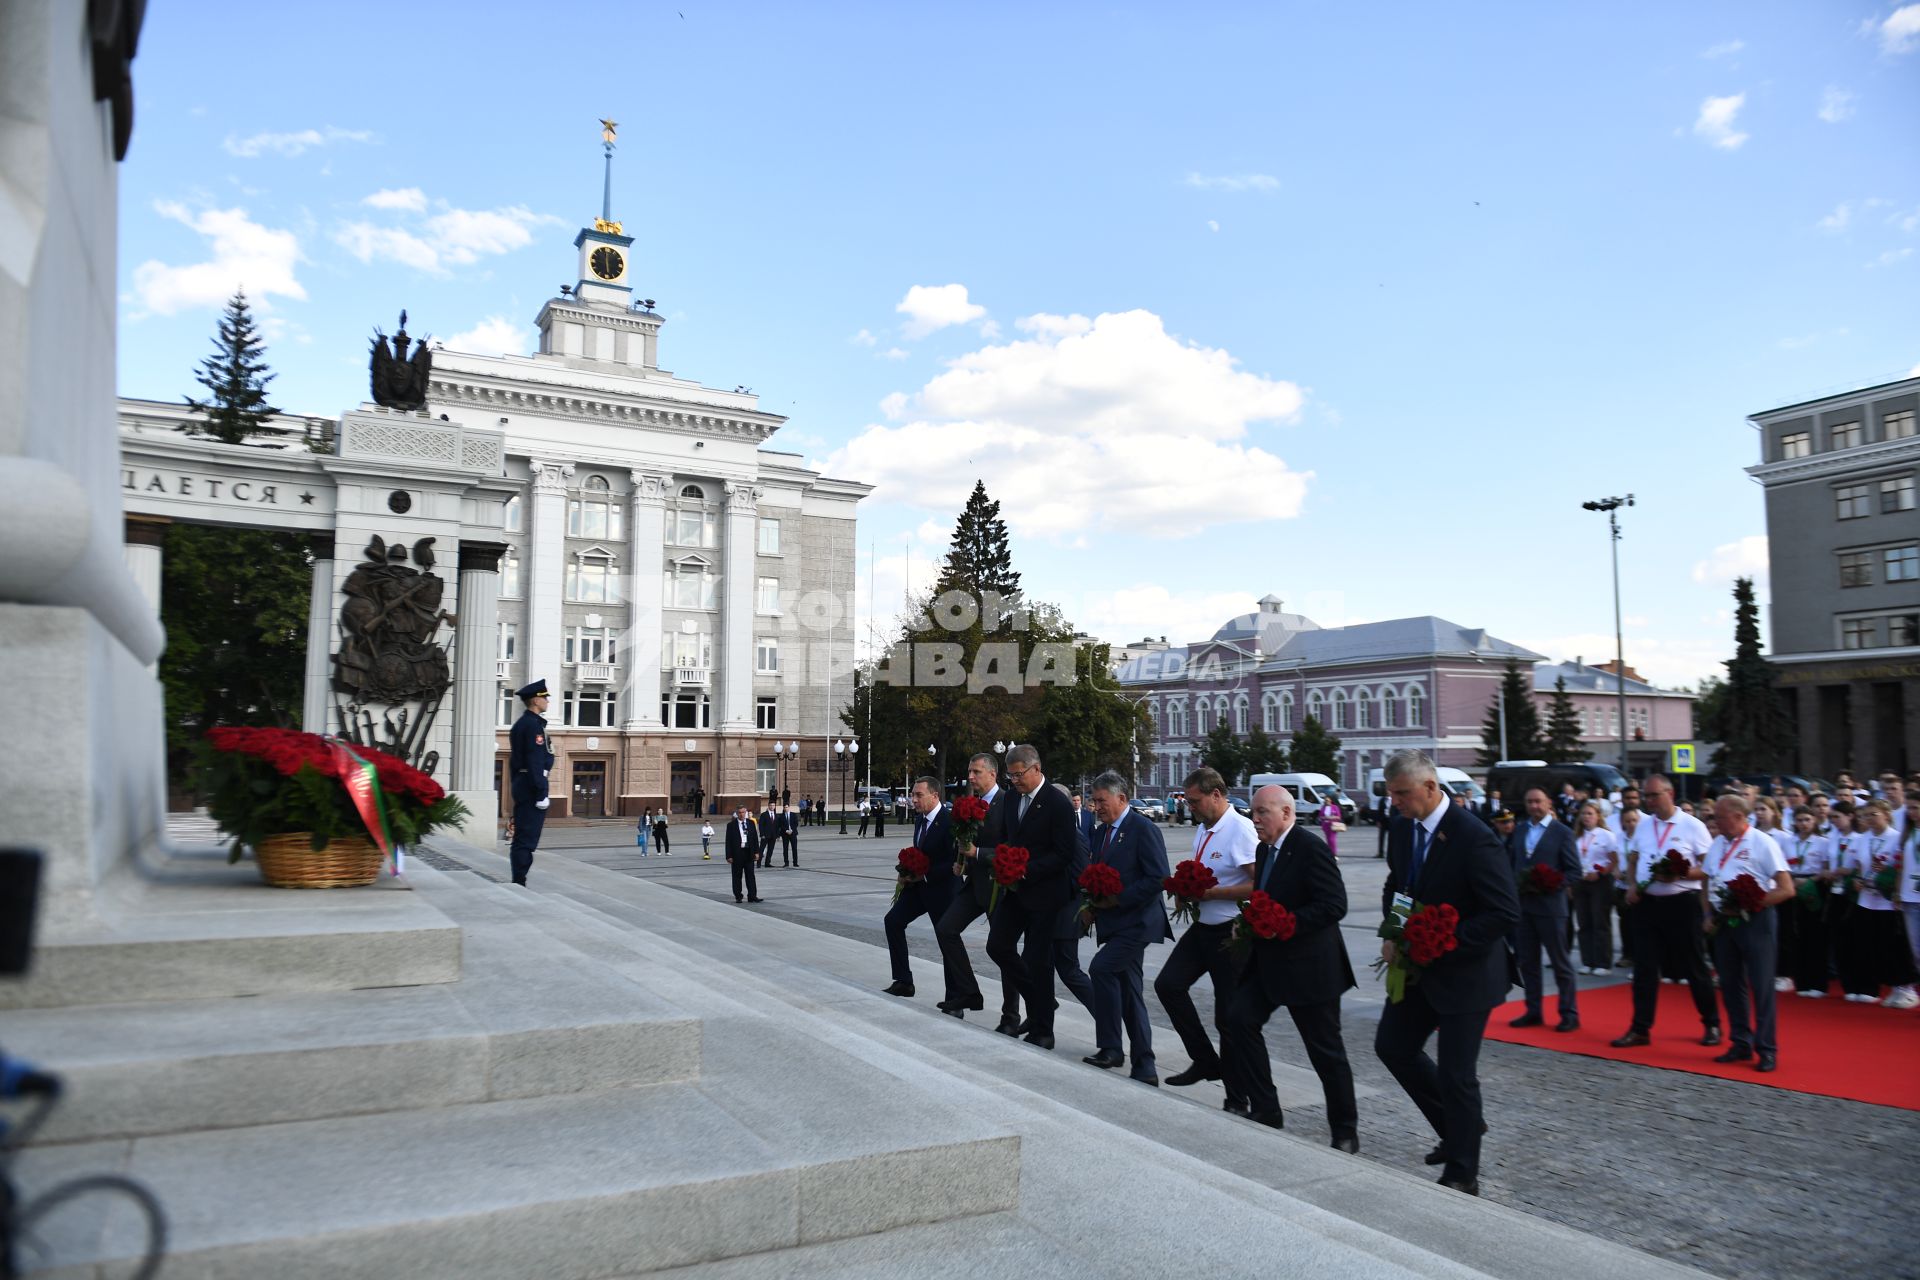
column 529, row 760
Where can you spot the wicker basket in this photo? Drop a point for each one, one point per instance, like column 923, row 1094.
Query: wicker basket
column 289, row 862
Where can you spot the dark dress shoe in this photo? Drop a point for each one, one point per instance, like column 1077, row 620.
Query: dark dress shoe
column 1236, row 1105
column 1469, row 1185
column 753, row 899
column 1147, row 1078
column 1766, row 1063
column 1271, row 1119
column 1192, row 1075
column 1632, row 1040
column 1738, row 1053
column 954, row 1011
column 1041, row 1038
column 1008, row 1026
column 900, row 989
column 739, row 899
column 1348, row 1144
column 969, row 1002
column 1106, row 1059
column 1567, row 1024
column 1026, row 1025
column 1711, row 1038
column 1439, row 1153
column 1528, row 1020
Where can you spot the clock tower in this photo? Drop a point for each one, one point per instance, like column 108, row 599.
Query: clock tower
column 600, row 320
column 603, row 249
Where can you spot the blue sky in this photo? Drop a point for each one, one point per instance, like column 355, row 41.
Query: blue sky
column 1352, row 304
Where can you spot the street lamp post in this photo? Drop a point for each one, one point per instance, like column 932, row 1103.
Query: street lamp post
column 1612, row 507
column 851, row 752
column 779, row 764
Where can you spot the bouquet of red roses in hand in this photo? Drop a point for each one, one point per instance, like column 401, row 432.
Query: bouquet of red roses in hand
column 1009, row 869
column 1263, row 918
column 1188, row 884
column 913, row 865
column 1420, row 938
column 1886, row 877
column 969, row 812
column 1542, row 881
column 1739, row 900
column 1673, row 865
column 1100, row 888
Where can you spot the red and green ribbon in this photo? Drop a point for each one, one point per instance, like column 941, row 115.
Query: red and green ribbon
column 362, row 782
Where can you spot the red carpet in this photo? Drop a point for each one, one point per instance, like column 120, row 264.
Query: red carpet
column 1828, row 1047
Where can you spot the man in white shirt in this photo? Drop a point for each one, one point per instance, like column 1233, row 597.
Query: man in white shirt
column 1744, row 951
column 1225, row 842
column 1665, row 916
column 1896, row 794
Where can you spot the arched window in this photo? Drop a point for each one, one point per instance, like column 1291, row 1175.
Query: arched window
column 1176, row 719
column 510, row 516
column 1153, row 714
column 1240, row 714
column 595, row 484
column 1339, row 709
column 1286, row 713
column 1200, row 708
column 693, row 491
column 595, row 516
column 1269, row 713
column 1362, row 710
column 1315, row 707
column 1387, row 702
column 1415, row 709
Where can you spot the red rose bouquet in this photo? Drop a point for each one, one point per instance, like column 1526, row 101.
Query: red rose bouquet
column 1187, row 885
column 1542, row 881
column 969, row 812
column 1739, row 900
column 1100, row 888
column 1673, row 865
column 1263, row 918
column 1009, row 869
column 1420, row 939
column 912, row 865
column 1885, row 877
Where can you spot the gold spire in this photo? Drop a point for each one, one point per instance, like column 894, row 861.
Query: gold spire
column 605, row 221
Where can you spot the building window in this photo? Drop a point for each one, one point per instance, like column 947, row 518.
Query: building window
column 590, row 644
column 510, row 573
column 1387, row 712
column 689, row 650
column 1362, row 710
column 1856, row 568
column 1852, row 501
column 1268, row 713
column 687, row 710
column 693, row 585
column 695, row 528
column 587, row 710
column 1286, row 713
column 766, row 713
column 509, row 707
column 765, row 774
column 1240, row 715
column 1856, row 633
column 594, row 520
column 1897, row 426
column 590, row 578
column 1339, row 710
column 1903, row 563
column 509, row 640
column 766, row 656
column 1796, row 444
column 769, row 537
column 694, row 492
column 1896, row 494
column 1903, row 629
column 766, row 595
column 1414, row 708
column 511, row 515
column 1847, row 435
column 1177, row 720
column 1200, row 710
column 1580, row 718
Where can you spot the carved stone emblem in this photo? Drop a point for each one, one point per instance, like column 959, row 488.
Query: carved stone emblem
column 400, row 380
column 387, row 651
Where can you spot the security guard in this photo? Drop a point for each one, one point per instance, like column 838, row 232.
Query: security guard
column 529, row 760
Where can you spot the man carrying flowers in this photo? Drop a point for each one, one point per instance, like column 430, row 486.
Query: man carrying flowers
column 1749, row 879
column 926, row 881
column 1128, row 861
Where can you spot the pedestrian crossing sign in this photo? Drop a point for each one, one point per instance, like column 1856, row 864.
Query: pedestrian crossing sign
column 1682, row 761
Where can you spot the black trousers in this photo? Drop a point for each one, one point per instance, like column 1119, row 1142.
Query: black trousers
column 1533, row 933
column 1448, row 1091
column 961, row 984
column 743, row 866
column 908, row 907
column 528, row 822
column 1745, row 959
column 1023, row 941
column 1813, row 944
column 660, row 838
column 790, row 849
column 1668, row 927
column 1250, row 1075
column 1873, row 950
column 1201, row 950
column 1593, row 912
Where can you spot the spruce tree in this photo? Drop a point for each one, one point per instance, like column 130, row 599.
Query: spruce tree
column 1523, row 720
column 1222, row 753
column 1754, row 734
column 235, row 377
column 978, row 558
column 1262, row 754
column 1562, row 745
column 1315, row 750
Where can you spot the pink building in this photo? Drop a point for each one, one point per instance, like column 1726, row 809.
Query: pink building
column 1656, row 717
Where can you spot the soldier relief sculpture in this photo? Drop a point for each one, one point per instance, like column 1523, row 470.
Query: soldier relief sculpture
column 387, row 652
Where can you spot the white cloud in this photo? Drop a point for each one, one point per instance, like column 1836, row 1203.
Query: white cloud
column 292, row 144
column 895, row 353
column 1746, row 558
column 1900, row 32
column 1837, row 220
column 1914, row 372
column 1725, row 49
column 451, row 237
column 1212, row 225
column 1715, row 124
column 367, row 242
column 494, row 336
column 863, row 339
column 1086, row 424
column 930, row 307
column 1233, row 181
column 1891, row 256
column 1835, row 105
column 405, row 199
column 246, row 255
column 1128, row 613
column 1906, row 221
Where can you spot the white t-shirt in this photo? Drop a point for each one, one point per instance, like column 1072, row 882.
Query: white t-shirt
column 1807, row 857
column 706, row 830
column 1752, row 853
column 1227, row 847
column 1596, row 847
column 1866, row 854
column 1654, row 838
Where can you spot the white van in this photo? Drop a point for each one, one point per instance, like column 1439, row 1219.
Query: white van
column 1456, row 783
column 1310, row 792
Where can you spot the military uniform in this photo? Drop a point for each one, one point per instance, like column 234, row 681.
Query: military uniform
column 529, row 760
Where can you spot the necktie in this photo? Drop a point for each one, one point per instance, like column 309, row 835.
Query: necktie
column 1419, row 854
column 1024, row 802
column 920, row 830
column 1273, row 857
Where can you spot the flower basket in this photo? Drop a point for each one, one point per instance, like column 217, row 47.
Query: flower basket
column 290, row 862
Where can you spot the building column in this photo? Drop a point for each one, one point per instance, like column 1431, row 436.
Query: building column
column 546, row 572
column 647, row 536
column 737, row 666
column 476, row 644
column 145, row 540
column 314, row 705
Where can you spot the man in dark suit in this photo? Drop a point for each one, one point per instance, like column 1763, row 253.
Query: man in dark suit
column 1548, row 842
column 743, row 850
column 1307, row 972
column 769, row 831
column 969, row 903
column 1133, row 846
column 790, row 837
column 933, row 836
column 1439, row 853
column 1040, row 820
column 530, row 758
column 1083, row 814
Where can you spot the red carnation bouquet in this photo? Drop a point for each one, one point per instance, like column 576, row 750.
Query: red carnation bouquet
column 969, row 812
column 1100, row 888
column 1187, row 885
column 911, row 866
column 1542, row 881
column 1009, row 869
column 1673, row 865
column 1420, row 937
column 1738, row 901
column 1261, row 917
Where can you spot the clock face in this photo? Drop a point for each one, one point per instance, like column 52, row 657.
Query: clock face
column 607, row 263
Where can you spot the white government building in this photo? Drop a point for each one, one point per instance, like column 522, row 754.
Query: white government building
column 625, row 534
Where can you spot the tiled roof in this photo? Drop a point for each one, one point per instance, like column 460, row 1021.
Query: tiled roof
column 1581, row 678
column 1294, row 645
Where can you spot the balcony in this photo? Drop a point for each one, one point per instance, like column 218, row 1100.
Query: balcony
column 593, row 673
column 503, row 669
column 692, row 677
